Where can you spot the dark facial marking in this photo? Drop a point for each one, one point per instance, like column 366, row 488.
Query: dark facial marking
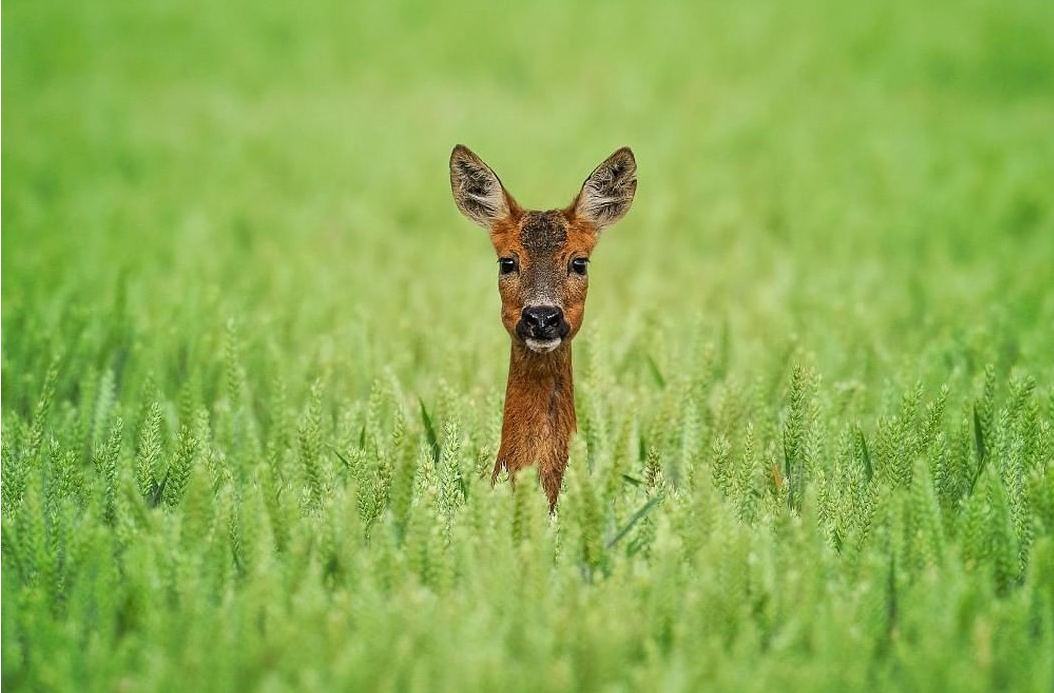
column 543, row 231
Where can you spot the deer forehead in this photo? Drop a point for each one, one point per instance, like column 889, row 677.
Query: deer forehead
column 543, row 232
column 543, row 237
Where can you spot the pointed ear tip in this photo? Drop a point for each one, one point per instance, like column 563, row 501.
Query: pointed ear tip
column 460, row 151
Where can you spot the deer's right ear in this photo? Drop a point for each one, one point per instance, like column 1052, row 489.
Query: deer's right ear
column 608, row 192
column 477, row 191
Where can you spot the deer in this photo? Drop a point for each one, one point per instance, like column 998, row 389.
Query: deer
column 543, row 261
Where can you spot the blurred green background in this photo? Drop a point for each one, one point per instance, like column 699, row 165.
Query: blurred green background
column 850, row 174
column 204, row 200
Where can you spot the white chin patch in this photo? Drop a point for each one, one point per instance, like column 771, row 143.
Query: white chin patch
column 542, row 346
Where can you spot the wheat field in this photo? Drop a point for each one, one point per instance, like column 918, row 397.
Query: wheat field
column 253, row 365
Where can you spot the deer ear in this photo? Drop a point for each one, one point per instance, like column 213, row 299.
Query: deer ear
column 608, row 192
column 477, row 191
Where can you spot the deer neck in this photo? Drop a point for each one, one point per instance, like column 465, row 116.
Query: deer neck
column 539, row 415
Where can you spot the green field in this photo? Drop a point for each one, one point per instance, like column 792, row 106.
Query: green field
column 253, row 365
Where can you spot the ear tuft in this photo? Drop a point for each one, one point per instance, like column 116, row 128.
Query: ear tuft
column 477, row 191
column 607, row 194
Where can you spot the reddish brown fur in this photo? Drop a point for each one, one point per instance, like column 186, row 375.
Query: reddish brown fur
column 581, row 238
column 539, row 415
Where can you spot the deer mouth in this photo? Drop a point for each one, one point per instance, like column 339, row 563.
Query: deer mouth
column 542, row 346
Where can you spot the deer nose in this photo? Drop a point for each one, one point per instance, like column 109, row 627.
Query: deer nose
column 542, row 321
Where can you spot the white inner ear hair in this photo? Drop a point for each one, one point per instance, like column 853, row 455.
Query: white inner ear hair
column 479, row 191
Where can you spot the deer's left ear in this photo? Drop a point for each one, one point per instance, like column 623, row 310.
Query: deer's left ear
column 608, row 192
column 477, row 191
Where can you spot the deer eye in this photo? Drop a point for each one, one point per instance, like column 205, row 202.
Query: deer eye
column 506, row 265
column 578, row 265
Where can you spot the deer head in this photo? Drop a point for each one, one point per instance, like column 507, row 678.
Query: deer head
column 543, row 256
column 543, row 259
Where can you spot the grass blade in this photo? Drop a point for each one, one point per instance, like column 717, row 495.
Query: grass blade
column 655, row 372
column 430, row 432
column 645, row 509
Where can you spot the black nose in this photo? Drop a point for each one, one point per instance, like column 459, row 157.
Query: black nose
column 543, row 320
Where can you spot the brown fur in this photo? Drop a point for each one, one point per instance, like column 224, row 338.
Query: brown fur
column 539, row 415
